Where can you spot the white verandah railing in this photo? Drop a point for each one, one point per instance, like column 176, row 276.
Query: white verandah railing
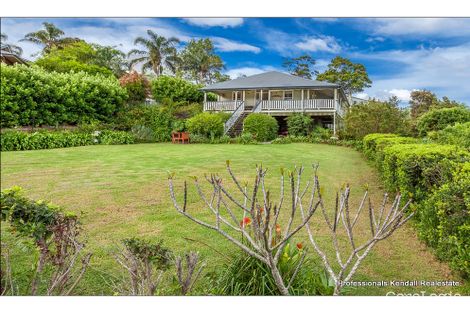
column 298, row 105
column 221, row 105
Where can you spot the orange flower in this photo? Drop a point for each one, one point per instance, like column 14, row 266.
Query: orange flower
column 299, row 246
column 245, row 222
column 278, row 229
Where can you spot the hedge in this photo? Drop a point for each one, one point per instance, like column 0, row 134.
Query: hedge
column 439, row 119
column 176, row 89
column 444, row 221
column 33, row 96
column 262, row 127
column 415, row 169
column 16, row 140
column 208, row 125
column 374, row 144
column 458, row 135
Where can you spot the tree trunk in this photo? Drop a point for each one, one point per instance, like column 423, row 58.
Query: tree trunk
column 278, row 278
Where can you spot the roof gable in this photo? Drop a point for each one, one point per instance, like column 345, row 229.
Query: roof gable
column 269, row 80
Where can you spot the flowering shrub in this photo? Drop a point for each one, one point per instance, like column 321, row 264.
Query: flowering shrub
column 137, row 86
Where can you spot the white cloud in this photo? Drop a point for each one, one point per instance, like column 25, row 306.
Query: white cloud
column 326, row 19
column 215, row 21
column 226, row 45
column 442, row 27
column 375, row 39
column 326, row 43
column 248, row 71
column 442, row 70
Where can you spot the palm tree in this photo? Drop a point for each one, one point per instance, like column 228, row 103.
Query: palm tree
column 9, row 47
column 50, row 37
column 159, row 53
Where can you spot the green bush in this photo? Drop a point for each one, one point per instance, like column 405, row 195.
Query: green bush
column 136, row 85
column 444, row 221
column 16, row 140
column 299, row 124
column 33, row 96
column 247, row 276
column 375, row 117
column 415, row 169
column 176, row 89
column 374, row 144
column 263, row 127
column 160, row 120
column 458, row 135
column 321, row 133
column 439, row 119
column 209, row 125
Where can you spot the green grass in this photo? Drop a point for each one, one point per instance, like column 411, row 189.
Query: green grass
column 122, row 191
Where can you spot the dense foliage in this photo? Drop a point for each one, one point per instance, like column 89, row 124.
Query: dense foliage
column 206, row 124
column 458, row 135
column 437, row 178
column 439, row 119
column 74, row 57
column 176, row 89
column 136, row 85
column 17, row 140
column 33, row 96
column 374, row 117
column 299, row 124
column 262, row 127
column 444, row 221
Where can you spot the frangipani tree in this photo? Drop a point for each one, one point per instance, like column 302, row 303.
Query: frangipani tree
column 253, row 214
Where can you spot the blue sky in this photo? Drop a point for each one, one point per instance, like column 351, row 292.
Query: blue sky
column 400, row 54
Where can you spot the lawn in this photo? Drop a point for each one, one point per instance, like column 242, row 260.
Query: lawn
column 122, row 191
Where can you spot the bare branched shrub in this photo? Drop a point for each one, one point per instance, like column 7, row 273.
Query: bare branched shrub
column 264, row 238
column 188, row 270
column 382, row 225
column 6, row 279
column 145, row 262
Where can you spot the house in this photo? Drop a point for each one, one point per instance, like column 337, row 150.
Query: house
column 280, row 95
column 8, row 57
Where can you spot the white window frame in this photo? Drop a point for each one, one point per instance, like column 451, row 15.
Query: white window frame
column 284, row 95
column 236, row 95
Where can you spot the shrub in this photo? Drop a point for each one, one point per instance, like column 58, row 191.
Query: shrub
column 439, row 119
column 458, row 135
column 33, row 96
column 136, row 85
column 299, row 124
column 321, row 133
column 374, row 144
column 415, row 169
column 262, row 127
column 176, row 89
column 247, row 276
column 444, row 221
column 160, row 121
column 16, row 140
column 375, row 117
column 209, row 125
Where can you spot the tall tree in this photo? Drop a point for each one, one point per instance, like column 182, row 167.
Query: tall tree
column 200, row 63
column 50, row 37
column 422, row 101
column 352, row 77
column 159, row 53
column 111, row 58
column 8, row 46
column 301, row 66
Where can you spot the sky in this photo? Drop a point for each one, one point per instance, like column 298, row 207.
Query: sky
column 400, row 54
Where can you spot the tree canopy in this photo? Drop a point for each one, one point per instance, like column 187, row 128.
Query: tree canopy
column 50, row 37
column 301, row 66
column 352, row 77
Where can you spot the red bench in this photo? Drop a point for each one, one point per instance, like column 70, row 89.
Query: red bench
column 180, row 137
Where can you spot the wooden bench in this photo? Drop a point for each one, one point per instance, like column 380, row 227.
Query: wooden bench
column 180, row 137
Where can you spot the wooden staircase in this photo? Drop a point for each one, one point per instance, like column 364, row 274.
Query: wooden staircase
column 237, row 128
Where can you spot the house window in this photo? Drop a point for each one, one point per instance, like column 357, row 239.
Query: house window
column 236, row 95
column 288, row 95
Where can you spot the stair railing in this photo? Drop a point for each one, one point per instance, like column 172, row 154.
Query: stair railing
column 257, row 108
column 234, row 117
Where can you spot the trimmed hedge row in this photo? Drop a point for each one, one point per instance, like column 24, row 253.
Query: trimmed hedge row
column 437, row 177
column 33, row 96
column 16, row 140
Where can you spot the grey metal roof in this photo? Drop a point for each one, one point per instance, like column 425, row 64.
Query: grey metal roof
column 269, row 80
